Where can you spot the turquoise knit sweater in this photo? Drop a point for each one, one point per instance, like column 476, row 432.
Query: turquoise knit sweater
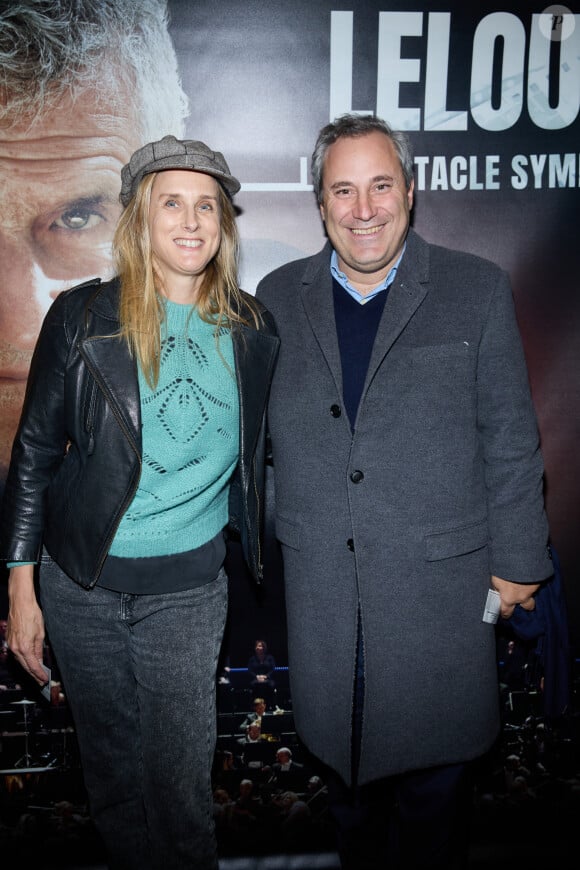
column 190, row 441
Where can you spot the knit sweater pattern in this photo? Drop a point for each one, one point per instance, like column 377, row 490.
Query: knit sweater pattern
column 190, row 441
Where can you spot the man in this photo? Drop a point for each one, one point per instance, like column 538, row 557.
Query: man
column 255, row 715
column 256, row 750
column 253, row 734
column 83, row 86
column 408, row 480
column 288, row 774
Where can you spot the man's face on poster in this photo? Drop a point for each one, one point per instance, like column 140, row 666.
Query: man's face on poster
column 59, row 204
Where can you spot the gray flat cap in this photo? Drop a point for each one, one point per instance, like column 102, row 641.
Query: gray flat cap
column 172, row 153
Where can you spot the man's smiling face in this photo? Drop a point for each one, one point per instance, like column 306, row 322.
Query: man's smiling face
column 365, row 206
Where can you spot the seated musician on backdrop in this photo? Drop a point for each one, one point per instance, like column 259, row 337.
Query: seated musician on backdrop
column 288, row 774
column 256, row 748
column 259, row 706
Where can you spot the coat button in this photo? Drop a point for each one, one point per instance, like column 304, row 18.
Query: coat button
column 335, row 410
column 350, row 545
column 357, row 476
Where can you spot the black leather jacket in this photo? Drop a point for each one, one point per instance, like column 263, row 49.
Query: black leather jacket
column 76, row 460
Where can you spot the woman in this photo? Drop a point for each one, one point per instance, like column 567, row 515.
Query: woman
column 261, row 667
column 141, row 437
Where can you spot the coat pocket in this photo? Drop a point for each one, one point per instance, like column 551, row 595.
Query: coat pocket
column 288, row 532
column 456, row 542
column 432, row 352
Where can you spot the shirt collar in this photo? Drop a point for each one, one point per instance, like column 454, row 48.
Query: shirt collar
column 341, row 278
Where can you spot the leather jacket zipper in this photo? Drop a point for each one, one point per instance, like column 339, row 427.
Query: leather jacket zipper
column 90, row 417
column 127, row 501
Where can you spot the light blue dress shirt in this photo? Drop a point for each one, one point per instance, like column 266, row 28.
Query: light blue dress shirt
column 358, row 297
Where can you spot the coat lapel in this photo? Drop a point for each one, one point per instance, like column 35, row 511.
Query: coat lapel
column 405, row 296
column 318, row 303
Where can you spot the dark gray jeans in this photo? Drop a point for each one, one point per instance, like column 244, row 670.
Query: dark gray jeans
column 139, row 673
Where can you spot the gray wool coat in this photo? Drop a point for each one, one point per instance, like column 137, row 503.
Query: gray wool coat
column 439, row 487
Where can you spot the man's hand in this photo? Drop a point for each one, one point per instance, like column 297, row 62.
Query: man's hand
column 25, row 630
column 514, row 593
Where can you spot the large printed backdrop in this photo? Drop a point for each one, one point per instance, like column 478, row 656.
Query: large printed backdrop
column 490, row 97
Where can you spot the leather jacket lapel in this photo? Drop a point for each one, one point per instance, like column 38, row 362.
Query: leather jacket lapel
column 115, row 372
column 255, row 355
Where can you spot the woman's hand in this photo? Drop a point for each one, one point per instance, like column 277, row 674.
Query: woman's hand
column 25, row 630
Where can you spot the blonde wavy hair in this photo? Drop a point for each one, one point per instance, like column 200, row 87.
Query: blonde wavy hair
column 141, row 309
